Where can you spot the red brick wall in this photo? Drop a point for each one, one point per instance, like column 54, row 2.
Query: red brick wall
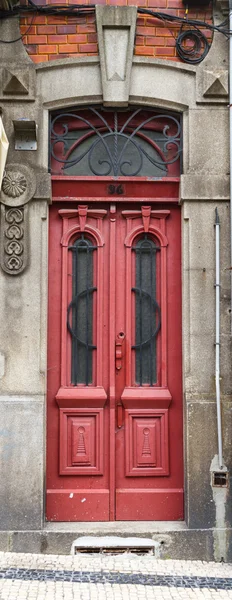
column 51, row 37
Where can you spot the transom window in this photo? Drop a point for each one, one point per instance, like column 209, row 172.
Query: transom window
column 118, row 143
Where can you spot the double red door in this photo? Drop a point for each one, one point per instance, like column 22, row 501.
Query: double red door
column 114, row 447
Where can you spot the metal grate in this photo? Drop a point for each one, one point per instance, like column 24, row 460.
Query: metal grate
column 99, row 142
column 220, row 479
column 115, row 545
column 80, row 310
column 147, row 311
column 120, row 550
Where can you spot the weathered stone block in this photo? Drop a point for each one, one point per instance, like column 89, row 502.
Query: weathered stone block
column 209, row 140
column 21, row 440
column 116, row 34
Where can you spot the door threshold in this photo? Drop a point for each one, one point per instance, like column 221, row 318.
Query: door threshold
column 123, row 528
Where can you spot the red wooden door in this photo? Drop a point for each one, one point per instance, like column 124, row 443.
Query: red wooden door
column 114, row 443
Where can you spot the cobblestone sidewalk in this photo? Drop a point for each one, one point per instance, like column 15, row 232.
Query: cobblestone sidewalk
column 99, row 576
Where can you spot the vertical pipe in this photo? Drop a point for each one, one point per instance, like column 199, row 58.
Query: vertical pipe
column 217, row 344
column 230, row 108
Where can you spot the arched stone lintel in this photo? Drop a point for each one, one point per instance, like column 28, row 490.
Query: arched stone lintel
column 165, row 84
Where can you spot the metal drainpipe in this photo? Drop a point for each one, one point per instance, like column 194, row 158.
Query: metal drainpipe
column 230, row 107
column 217, row 345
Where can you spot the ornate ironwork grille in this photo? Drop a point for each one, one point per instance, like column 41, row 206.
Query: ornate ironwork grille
column 128, row 143
column 80, row 311
column 147, row 311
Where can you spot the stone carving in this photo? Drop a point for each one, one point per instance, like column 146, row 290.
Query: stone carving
column 212, row 85
column 17, row 79
column 18, row 185
column 14, row 184
column 16, row 83
column 116, row 33
column 14, row 249
column 215, row 83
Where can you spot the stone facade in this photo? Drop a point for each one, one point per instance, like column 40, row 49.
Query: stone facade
column 29, row 91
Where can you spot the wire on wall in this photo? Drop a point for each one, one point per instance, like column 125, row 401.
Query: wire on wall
column 191, row 43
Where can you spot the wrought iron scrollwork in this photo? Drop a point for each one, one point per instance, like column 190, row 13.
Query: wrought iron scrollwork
column 115, row 143
column 147, row 311
column 80, row 310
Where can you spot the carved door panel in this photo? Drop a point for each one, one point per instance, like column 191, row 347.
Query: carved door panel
column 114, row 364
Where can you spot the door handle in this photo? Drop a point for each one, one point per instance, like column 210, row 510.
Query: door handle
column 119, row 350
column 119, row 415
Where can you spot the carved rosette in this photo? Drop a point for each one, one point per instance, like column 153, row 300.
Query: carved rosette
column 13, row 240
column 18, row 185
column 14, row 184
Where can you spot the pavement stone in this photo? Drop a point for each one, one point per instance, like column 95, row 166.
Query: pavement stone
column 111, row 577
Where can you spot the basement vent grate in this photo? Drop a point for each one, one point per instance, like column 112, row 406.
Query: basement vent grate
column 115, row 545
column 120, row 550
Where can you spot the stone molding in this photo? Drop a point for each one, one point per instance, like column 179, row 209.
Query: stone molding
column 116, row 34
column 68, row 82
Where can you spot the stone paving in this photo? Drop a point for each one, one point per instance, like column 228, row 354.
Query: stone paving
column 116, row 577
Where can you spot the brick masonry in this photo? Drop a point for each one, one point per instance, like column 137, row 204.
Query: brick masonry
column 50, row 37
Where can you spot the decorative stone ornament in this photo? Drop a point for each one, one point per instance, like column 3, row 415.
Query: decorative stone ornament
column 215, row 83
column 212, row 86
column 14, row 239
column 15, row 83
column 18, row 185
column 14, row 184
column 116, row 33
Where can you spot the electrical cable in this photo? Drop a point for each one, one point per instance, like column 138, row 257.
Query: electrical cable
column 193, row 54
column 198, row 50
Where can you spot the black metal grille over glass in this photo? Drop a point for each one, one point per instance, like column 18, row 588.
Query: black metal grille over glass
column 80, row 311
column 101, row 142
column 147, row 311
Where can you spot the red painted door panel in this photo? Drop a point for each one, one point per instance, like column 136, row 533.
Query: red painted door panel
column 114, row 448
